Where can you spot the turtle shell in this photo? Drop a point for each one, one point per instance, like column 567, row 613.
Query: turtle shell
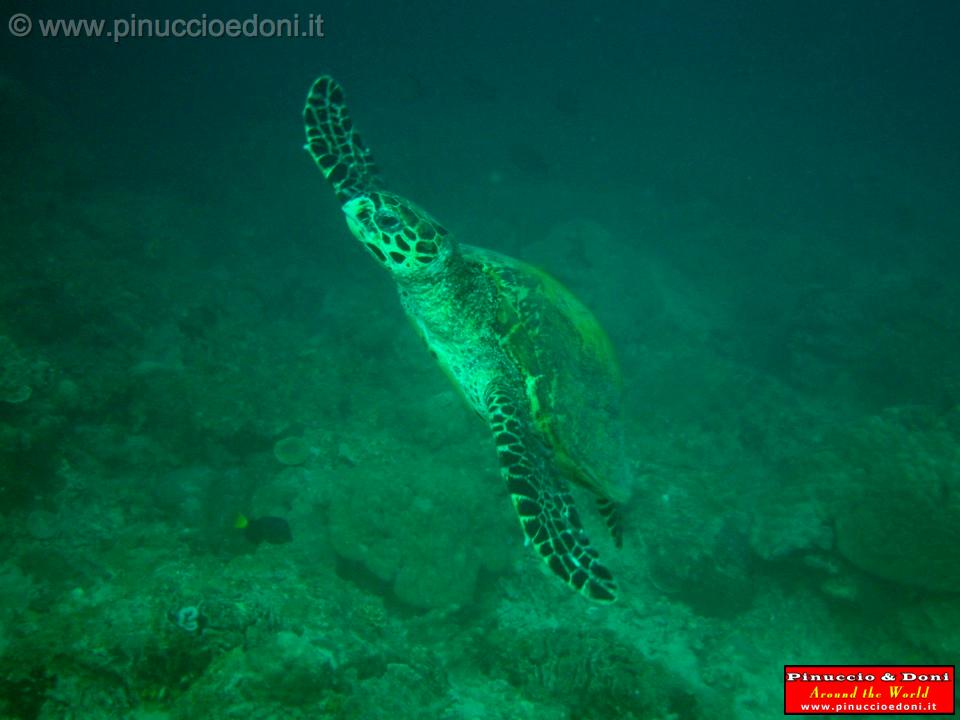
column 573, row 383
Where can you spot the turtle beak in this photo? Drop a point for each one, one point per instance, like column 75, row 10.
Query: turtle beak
column 359, row 214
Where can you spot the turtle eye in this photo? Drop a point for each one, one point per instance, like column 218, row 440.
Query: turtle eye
column 387, row 221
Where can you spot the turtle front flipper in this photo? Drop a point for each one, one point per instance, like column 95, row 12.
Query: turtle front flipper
column 334, row 144
column 543, row 504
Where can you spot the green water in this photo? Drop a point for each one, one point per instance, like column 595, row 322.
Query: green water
column 757, row 201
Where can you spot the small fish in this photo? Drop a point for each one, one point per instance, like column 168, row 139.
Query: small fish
column 268, row 528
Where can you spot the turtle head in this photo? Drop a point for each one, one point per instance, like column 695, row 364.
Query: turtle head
column 402, row 237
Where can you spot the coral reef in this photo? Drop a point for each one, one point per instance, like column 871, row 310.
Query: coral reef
column 291, row 451
column 905, row 467
column 407, row 533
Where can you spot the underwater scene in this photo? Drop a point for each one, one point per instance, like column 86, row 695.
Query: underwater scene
column 381, row 360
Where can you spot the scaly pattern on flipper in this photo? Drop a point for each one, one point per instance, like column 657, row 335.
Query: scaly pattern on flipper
column 334, row 144
column 543, row 504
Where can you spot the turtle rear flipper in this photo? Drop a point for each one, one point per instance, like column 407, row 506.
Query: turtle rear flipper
column 545, row 509
column 334, row 144
column 608, row 507
column 612, row 517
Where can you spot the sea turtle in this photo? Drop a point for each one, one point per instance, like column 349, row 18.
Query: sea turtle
column 530, row 359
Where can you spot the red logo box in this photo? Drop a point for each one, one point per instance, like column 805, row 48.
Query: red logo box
column 868, row 689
